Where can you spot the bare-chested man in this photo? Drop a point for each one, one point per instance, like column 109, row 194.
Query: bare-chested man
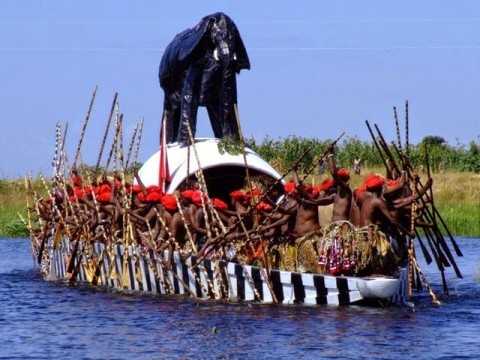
column 342, row 204
column 307, row 216
column 374, row 208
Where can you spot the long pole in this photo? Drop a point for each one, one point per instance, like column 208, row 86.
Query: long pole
column 429, row 216
column 84, row 128
column 114, row 144
column 185, row 224
column 202, row 182
column 397, row 127
column 56, row 155
column 132, row 143
column 163, row 173
column 387, row 151
column 407, row 130
column 120, row 154
column 139, row 140
column 105, row 133
column 63, row 154
column 244, row 151
column 408, row 166
column 377, row 146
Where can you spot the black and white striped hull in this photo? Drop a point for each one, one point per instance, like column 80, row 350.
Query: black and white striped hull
column 137, row 270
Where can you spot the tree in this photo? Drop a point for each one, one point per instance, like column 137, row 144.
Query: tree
column 433, row 140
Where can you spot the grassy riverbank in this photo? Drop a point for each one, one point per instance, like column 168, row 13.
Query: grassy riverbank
column 457, row 196
column 12, row 203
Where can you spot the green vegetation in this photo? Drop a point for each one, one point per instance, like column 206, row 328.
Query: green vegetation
column 281, row 153
column 456, row 177
column 12, row 203
column 457, row 195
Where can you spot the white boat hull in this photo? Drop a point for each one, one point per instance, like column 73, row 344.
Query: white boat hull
column 147, row 272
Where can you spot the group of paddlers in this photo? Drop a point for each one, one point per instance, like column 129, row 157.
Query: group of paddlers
column 258, row 224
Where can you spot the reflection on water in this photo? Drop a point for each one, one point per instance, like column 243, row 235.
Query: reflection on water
column 47, row 320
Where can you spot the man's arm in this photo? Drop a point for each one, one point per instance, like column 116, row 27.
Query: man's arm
column 400, row 203
column 381, row 206
column 197, row 220
column 323, row 201
column 401, row 184
column 281, row 221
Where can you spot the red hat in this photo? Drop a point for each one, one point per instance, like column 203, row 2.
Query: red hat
column 263, row 206
column 187, row 194
column 359, row 191
column 219, row 204
column 343, row 174
column 392, row 183
column 326, row 184
column 197, row 198
column 374, row 182
column 104, row 188
column 154, row 197
column 79, row 193
column 154, row 188
column 290, row 187
column 104, row 197
column 238, row 195
column 169, row 202
column 136, row 189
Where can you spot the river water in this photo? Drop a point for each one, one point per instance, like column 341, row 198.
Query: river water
column 42, row 320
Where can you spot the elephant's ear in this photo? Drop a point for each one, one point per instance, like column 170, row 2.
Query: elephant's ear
column 192, row 38
column 242, row 61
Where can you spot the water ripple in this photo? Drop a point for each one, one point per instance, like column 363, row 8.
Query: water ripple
column 41, row 320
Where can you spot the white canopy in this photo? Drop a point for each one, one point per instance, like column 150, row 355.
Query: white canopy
column 209, row 157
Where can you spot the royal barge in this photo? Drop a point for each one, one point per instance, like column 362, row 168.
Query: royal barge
column 137, row 269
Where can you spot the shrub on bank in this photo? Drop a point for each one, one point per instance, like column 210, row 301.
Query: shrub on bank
column 283, row 152
column 14, row 228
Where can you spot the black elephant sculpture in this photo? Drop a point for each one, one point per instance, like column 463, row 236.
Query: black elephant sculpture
column 198, row 68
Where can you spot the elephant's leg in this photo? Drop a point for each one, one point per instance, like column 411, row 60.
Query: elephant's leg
column 214, row 116
column 189, row 103
column 227, row 99
column 172, row 108
column 209, row 90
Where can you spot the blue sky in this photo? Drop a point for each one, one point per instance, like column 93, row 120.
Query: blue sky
column 318, row 68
